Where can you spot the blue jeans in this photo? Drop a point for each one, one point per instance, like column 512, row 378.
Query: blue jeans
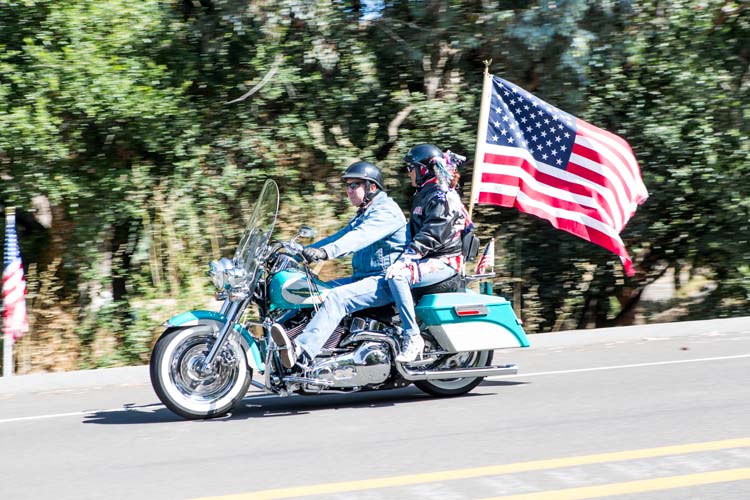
column 425, row 272
column 348, row 297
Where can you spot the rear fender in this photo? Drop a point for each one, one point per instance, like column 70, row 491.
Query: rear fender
column 216, row 320
column 471, row 322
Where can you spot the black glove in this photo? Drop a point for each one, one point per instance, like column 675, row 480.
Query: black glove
column 312, row 254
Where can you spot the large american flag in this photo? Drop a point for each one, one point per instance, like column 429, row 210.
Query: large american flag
column 548, row 163
column 15, row 321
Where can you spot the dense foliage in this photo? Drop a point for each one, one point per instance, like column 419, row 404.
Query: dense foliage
column 132, row 162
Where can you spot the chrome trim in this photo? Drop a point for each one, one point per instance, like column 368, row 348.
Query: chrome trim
column 365, row 324
column 269, row 368
column 303, row 380
column 227, row 328
column 283, row 262
column 369, row 364
column 225, row 306
column 475, row 309
column 484, row 371
column 406, row 373
column 365, row 335
column 477, row 277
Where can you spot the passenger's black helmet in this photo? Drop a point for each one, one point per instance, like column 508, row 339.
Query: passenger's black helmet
column 422, row 158
column 422, row 154
column 364, row 170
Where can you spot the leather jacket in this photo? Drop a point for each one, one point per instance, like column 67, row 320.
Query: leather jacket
column 436, row 223
column 376, row 236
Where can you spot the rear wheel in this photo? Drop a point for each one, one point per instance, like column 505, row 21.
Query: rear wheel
column 456, row 386
column 186, row 389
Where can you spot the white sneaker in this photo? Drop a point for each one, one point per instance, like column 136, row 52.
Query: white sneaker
column 411, row 348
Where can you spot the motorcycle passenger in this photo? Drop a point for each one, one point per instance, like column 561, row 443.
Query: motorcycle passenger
column 433, row 252
column 376, row 236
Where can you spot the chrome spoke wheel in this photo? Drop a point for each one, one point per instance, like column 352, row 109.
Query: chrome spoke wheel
column 456, row 386
column 195, row 382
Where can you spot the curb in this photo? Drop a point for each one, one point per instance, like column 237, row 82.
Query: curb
column 638, row 332
column 100, row 377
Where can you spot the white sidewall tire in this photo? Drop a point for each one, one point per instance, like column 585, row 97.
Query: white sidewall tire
column 179, row 402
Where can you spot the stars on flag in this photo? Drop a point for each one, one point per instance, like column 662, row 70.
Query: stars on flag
column 517, row 118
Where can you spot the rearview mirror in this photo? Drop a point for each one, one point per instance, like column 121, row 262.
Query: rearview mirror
column 307, row 232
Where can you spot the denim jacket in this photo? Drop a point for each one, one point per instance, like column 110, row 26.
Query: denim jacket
column 376, row 237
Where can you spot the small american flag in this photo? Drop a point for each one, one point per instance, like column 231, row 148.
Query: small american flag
column 15, row 321
column 548, row 163
column 486, row 262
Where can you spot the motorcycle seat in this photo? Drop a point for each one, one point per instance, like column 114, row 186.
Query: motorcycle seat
column 388, row 313
column 452, row 284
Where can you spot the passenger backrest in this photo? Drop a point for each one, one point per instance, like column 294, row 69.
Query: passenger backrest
column 470, row 247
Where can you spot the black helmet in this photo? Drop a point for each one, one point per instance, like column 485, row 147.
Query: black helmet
column 364, row 170
column 422, row 156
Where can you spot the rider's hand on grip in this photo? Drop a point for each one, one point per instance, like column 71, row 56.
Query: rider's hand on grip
column 314, row 254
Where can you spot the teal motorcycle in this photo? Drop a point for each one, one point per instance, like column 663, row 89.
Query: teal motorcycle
column 204, row 362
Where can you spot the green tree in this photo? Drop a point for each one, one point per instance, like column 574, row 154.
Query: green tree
column 134, row 135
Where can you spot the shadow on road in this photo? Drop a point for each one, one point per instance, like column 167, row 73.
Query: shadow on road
column 154, row 413
column 274, row 406
column 258, row 405
column 502, row 383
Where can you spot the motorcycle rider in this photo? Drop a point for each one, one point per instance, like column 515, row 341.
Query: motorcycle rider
column 433, row 252
column 376, row 236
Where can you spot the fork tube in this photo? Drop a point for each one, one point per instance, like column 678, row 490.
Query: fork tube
column 232, row 313
column 225, row 307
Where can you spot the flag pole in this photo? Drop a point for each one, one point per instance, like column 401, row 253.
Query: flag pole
column 7, row 355
column 484, row 113
column 10, row 214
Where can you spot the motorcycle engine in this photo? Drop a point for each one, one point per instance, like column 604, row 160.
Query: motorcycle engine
column 369, row 363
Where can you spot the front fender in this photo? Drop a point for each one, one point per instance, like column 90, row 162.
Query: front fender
column 217, row 320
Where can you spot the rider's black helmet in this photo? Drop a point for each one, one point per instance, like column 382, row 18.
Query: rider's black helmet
column 421, row 157
column 364, row 170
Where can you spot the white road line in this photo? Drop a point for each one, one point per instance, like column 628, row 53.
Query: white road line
column 110, row 410
column 519, row 375
column 57, row 415
column 619, row 367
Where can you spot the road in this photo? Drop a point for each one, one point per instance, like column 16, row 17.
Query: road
column 650, row 412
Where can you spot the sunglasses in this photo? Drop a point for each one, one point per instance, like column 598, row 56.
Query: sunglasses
column 353, row 185
column 410, row 166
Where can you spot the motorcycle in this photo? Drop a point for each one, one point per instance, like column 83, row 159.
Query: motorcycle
column 204, row 362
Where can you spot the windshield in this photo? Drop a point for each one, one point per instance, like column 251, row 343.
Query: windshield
column 254, row 242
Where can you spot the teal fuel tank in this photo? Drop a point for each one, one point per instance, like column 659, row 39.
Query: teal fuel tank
column 290, row 290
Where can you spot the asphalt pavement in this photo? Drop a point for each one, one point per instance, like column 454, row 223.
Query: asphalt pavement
column 651, row 412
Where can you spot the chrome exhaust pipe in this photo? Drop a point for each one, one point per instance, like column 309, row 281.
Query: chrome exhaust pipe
column 484, row 371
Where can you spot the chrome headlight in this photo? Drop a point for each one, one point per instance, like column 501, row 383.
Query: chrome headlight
column 235, row 277
column 217, row 270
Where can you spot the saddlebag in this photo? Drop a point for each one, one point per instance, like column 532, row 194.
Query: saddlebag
column 471, row 322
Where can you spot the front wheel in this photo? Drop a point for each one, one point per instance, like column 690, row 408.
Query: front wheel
column 456, row 386
column 183, row 387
